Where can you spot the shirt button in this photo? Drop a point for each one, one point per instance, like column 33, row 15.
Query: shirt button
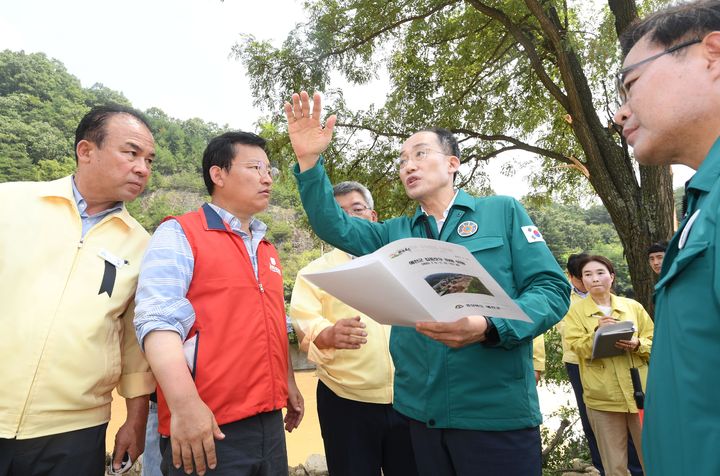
column 431, row 422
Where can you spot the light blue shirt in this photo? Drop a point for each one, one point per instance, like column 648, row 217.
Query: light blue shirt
column 579, row 293
column 88, row 221
column 167, row 270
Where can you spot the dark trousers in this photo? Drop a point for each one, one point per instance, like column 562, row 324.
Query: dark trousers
column 362, row 438
column 77, row 453
column 450, row 452
column 573, row 371
column 253, row 446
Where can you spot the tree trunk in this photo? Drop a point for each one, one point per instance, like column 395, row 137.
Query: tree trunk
column 641, row 211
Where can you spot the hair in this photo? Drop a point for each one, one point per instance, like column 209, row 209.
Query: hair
column 671, row 25
column 658, row 247
column 343, row 188
column 598, row 258
column 573, row 264
column 447, row 140
column 92, row 126
column 220, row 151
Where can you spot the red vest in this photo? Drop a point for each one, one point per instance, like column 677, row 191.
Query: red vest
column 241, row 349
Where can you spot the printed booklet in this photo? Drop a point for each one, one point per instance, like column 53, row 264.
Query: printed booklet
column 417, row 279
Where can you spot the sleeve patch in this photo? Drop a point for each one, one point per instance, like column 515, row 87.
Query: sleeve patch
column 532, row 234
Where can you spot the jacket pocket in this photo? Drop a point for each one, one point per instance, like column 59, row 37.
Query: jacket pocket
column 593, row 378
column 685, row 257
column 482, row 243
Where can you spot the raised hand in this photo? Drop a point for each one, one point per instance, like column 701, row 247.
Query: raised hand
column 308, row 137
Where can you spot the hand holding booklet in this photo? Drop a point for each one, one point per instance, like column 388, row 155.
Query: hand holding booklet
column 417, row 279
column 607, row 336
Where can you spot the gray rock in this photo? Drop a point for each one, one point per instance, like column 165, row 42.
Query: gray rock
column 316, row 465
column 298, row 470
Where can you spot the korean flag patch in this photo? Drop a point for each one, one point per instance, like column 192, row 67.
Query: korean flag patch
column 532, row 234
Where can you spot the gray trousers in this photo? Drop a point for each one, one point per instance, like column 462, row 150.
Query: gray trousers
column 254, row 446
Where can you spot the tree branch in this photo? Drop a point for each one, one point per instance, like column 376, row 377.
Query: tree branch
column 556, row 439
column 625, row 12
column 517, row 143
column 529, row 48
column 361, row 41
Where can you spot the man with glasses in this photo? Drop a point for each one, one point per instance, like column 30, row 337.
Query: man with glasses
column 362, row 433
column 467, row 387
column 211, row 318
column 670, row 93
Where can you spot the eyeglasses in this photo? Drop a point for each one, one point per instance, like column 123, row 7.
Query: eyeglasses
column 356, row 210
column 417, row 156
column 262, row 168
column 622, row 90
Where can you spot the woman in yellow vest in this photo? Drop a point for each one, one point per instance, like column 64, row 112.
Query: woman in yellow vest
column 607, row 383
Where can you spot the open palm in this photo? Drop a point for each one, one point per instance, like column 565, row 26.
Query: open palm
column 308, row 137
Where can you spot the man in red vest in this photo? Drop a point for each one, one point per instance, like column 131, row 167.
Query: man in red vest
column 211, row 318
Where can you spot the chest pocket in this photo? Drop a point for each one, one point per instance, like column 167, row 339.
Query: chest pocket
column 685, row 257
column 493, row 254
column 482, row 243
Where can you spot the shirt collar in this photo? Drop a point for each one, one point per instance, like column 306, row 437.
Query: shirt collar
column 63, row 188
column 256, row 226
column 708, row 172
column 461, row 199
column 578, row 292
column 447, row 210
column 591, row 309
column 82, row 204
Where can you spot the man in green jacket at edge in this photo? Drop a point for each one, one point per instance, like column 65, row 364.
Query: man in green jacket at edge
column 467, row 387
column 669, row 89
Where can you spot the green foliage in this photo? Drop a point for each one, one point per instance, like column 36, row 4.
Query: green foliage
column 573, row 444
column 41, row 105
column 555, row 372
column 449, row 65
column 570, row 229
column 504, row 76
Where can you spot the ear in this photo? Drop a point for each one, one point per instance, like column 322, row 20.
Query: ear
column 84, row 151
column 711, row 43
column 454, row 164
column 217, row 175
column 374, row 216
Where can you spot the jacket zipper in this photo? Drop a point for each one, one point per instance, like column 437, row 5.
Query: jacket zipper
column 265, row 321
column 47, row 335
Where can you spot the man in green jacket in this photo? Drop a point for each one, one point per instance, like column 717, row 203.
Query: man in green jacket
column 670, row 97
column 467, row 387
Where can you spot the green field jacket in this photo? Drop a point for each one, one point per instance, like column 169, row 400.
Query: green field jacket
column 477, row 387
column 681, row 432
